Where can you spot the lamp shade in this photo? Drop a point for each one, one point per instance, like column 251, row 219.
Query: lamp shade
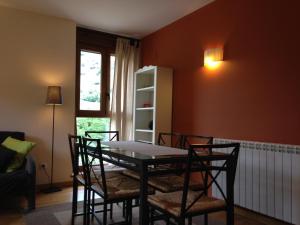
column 54, row 95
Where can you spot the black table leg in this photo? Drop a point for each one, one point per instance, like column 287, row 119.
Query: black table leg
column 230, row 192
column 144, row 214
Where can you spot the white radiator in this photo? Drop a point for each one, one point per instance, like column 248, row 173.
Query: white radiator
column 267, row 179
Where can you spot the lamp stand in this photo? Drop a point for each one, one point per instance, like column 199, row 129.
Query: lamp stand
column 51, row 187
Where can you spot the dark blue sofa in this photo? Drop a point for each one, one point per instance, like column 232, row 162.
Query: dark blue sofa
column 21, row 182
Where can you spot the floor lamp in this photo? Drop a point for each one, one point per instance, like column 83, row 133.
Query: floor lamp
column 53, row 98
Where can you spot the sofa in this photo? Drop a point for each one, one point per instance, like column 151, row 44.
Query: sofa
column 21, row 182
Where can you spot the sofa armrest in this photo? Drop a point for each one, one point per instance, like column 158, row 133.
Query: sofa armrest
column 30, row 168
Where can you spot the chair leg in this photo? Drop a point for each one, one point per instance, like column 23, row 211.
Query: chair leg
column 168, row 221
column 93, row 205
column 88, row 206
column 151, row 216
column 111, row 210
column 72, row 219
column 74, row 200
column 205, row 219
column 229, row 217
column 104, row 213
column 190, row 221
column 85, row 206
column 129, row 212
column 181, row 221
column 75, row 194
column 124, row 207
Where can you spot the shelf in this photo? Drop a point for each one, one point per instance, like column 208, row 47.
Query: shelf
column 144, row 130
column 145, row 89
column 144, row 108
column 143, row 141
column 152, row 103
column 146, row 70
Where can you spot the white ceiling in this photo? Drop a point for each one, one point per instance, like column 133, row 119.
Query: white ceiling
column 134, row 18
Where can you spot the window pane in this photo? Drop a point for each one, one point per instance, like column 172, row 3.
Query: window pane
column 90, row 81
column 96, row 124
column 112, row 76
column 93, row 124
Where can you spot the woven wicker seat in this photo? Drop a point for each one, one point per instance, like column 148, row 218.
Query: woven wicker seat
column 166, row 183
column 119, row 186
column 171, row 202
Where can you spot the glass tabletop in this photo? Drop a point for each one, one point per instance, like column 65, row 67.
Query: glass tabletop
column 132, row 151
column 141, row 150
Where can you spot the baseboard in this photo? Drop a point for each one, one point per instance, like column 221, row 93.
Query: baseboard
column 262, row 217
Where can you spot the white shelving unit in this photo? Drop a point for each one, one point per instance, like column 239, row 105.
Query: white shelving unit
column 152, row 102
column 144, row 108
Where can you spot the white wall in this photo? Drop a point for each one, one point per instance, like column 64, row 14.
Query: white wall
column 37, row 51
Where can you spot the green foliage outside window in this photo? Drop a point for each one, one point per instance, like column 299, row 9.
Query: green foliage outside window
column 92, row 124
column 92, row 97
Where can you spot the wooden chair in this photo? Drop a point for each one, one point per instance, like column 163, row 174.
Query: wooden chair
column 185, row 204
column 112, row 186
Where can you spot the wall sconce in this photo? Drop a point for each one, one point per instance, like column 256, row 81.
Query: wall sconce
column 213, row 57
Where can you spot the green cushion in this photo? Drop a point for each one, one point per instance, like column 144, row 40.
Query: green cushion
column 21, row 147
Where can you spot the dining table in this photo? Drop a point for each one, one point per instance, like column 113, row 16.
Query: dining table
column 143, row 157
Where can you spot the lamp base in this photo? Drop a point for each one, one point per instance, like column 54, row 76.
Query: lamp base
column 51, row 189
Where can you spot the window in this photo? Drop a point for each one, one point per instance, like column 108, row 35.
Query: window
column 93, row 82
column 90, row 80
column 95, row 66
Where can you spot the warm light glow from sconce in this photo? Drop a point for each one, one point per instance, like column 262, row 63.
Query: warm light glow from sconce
column 213, row 58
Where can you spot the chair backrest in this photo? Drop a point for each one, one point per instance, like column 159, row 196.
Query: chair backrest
column 94, row 171
column 197, row 163
column 174, row 140
column 189, row 140
column 103, row 135
column 75, row 144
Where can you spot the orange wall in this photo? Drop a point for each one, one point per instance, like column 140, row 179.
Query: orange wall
column 255, row 94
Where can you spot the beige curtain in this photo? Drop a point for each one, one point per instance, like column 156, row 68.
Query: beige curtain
column 127, row 62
